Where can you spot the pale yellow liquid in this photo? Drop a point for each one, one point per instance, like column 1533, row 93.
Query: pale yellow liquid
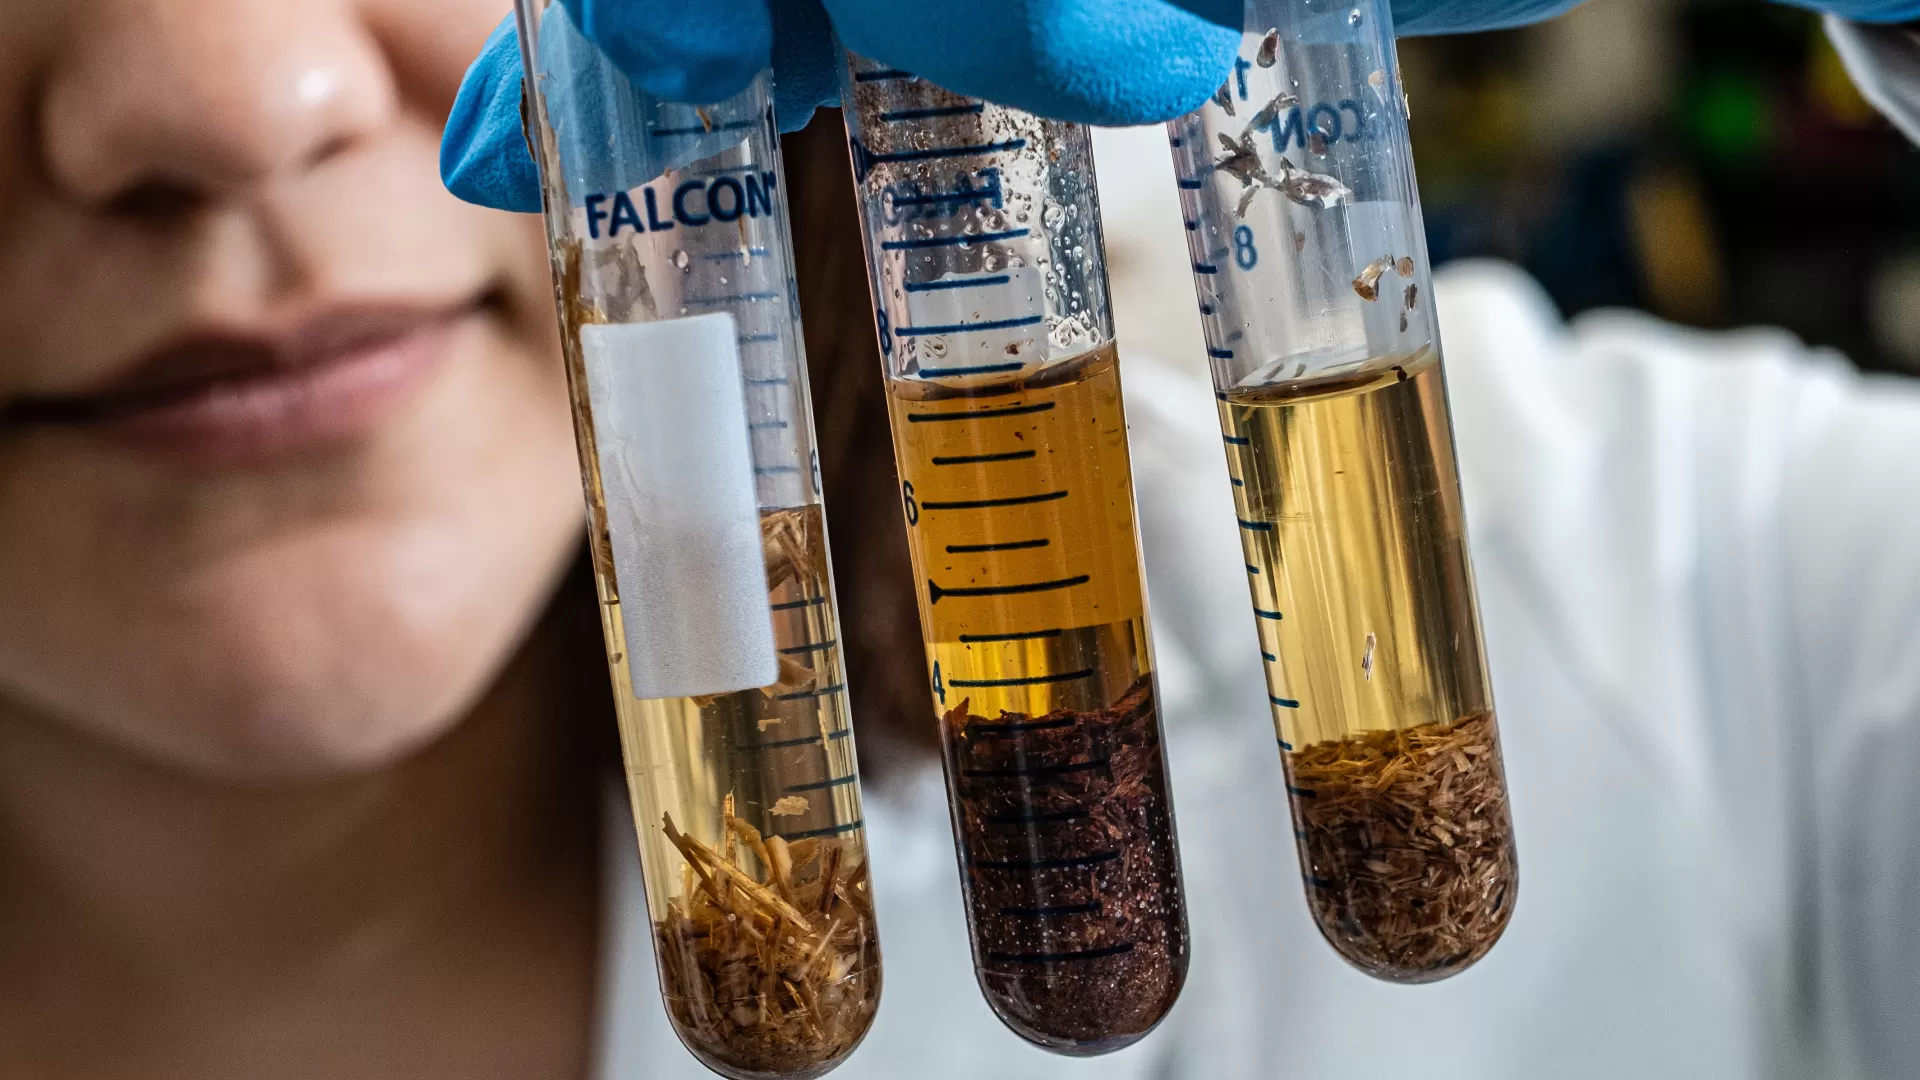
column 781, row 757
column 684, row 756
column 1349, row 503
column 1026, row 559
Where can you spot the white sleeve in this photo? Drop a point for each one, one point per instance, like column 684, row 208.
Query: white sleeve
column 1885, row 64
column 1725, row 529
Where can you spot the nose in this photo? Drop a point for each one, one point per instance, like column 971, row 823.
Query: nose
column 163, row 105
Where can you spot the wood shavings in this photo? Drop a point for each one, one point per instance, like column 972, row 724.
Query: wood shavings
column 1412, row 296
column 1269, row 52
column 1407, row 845
column 789, row 547
column 1405, row 266
column 1223, row 97
column 1366, row 660
column 793, row 543
column 775, row 972
column 789, row 806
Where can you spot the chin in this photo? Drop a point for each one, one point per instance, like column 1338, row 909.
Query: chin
column 376, row 643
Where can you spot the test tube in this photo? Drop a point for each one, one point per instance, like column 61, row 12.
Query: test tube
column 671, row 253
column 983, row 243
column 1310, row 261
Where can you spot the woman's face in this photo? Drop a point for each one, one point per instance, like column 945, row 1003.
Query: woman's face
column 285, row 463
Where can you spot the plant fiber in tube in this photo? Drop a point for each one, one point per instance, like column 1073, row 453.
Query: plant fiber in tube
column 676, row 466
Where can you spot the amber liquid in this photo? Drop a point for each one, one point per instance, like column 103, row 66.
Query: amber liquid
column 1350, row 515
column 1020, row 513
column 1019, row 502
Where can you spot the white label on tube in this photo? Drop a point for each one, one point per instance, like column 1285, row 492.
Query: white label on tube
column 670, row 424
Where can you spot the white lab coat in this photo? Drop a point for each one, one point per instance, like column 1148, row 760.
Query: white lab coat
column 1699, row 567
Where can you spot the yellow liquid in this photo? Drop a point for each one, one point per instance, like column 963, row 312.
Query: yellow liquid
column 1020, row 518
column 1352, row 525
column 780, row 759
column 1349, row 503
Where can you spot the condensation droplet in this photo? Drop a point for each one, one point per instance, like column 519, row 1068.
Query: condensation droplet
column 681, row 259
column 1354, row 17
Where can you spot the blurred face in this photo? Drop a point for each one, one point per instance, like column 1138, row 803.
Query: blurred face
column 285, row 463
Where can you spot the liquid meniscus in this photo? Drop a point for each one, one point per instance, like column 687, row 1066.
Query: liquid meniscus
column 1351, row 521
column 1020, row 511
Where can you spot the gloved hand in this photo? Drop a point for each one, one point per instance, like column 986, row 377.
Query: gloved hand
column 1865, row 11
column 1095, row 61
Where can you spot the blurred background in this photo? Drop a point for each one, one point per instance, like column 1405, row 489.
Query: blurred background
column 1705, row 160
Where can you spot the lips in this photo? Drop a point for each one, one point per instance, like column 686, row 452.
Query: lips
column 236, row 399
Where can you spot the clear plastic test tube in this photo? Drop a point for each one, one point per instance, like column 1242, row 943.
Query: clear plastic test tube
column 670, row 241
column 983, row 242
column 1310, row 261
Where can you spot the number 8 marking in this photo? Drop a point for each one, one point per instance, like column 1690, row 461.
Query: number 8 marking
column 1244, row 255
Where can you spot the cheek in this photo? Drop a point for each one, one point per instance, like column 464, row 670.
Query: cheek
column 433, row 41
column 321, row 620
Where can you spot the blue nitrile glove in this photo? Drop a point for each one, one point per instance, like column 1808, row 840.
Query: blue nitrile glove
column 1866, row 11
column 1113, row 62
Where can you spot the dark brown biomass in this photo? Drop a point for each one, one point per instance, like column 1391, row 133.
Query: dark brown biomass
column 1070, row 869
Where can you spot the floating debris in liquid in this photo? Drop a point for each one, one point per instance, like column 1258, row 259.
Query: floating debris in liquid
column 790, row 805
column 1271, row 110
column 1366, row 661
column 1223, row 97
column 1242, row 161
column 1246, row 200
column 1405, row 266
column 1269, row 53
column 1413, row 295
column 1318, row 190
column 1367, row 284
